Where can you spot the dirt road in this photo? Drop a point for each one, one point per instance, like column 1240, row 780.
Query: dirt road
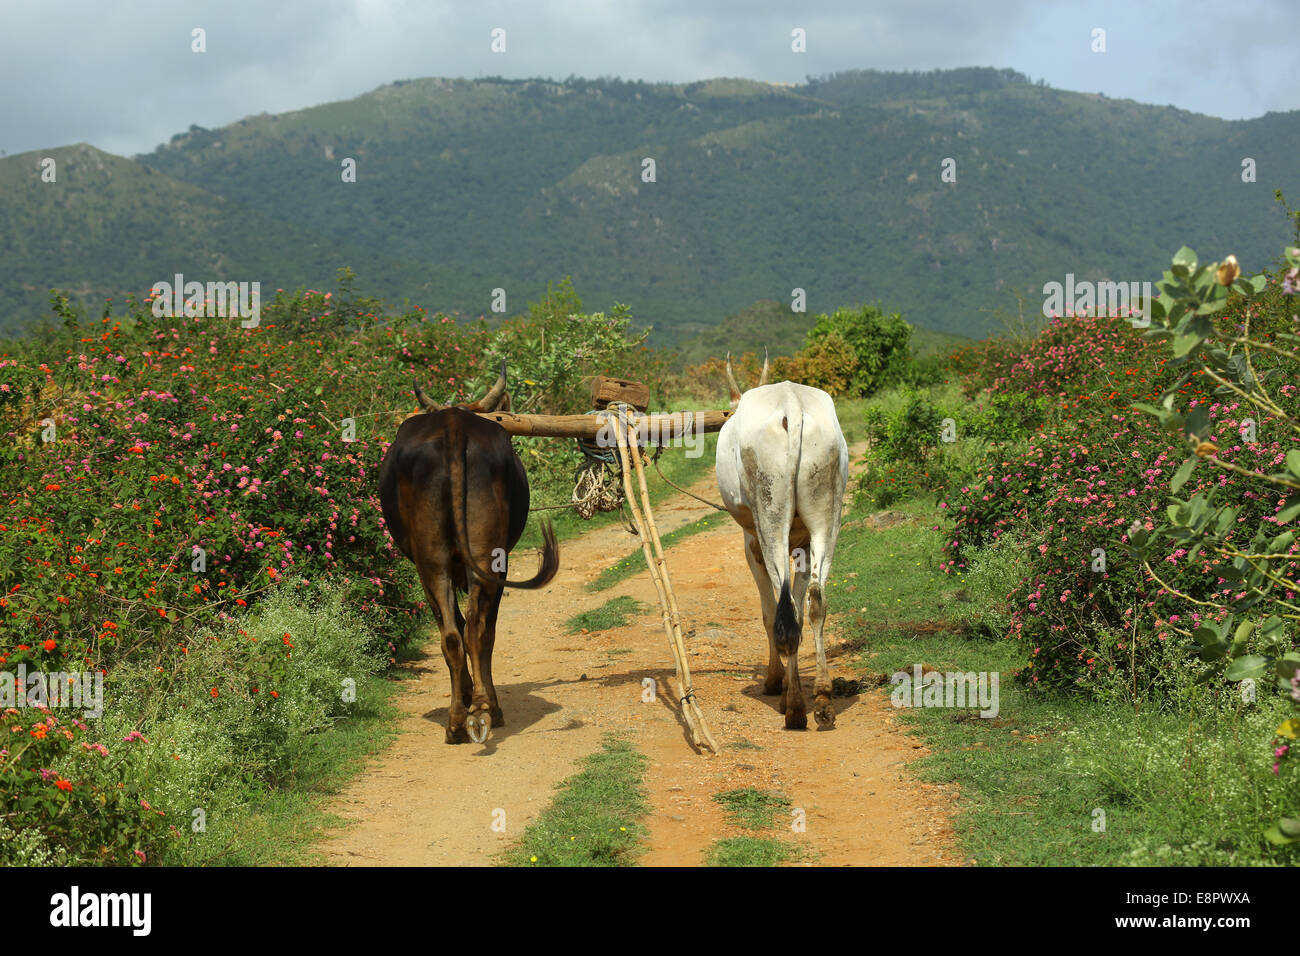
column 426, row 803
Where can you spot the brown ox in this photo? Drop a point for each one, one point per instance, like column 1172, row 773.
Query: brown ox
column 455, row 499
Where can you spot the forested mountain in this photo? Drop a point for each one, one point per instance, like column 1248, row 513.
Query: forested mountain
column 833, row 186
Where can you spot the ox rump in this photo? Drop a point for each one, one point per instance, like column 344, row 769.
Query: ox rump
column 455, row 499
column 782, row 468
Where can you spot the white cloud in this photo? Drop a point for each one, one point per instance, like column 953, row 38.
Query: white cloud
column 122, row 76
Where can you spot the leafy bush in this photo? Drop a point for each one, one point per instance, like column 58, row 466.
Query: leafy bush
column 165, row 478
column 880, row 342
column 222, row 721
column 992, row 575
column 556, row 349
column 829, row 363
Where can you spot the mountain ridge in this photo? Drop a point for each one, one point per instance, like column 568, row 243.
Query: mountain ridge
column 832, row 186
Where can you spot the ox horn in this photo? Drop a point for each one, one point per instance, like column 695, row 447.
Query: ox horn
column 488, row 402
column 426, row 403
column 762, row 379
column 731, row 381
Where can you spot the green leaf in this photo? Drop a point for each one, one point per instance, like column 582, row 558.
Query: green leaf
column 1286, row 830
column 1272, row 628
column 1198, row 421
column 1183, row 473
column 1293, row 462
column 1186, row 258
column 1287, row 513
column 1226, row 517
column 1246, row 667
column 1185, row 342
column 1212, row 646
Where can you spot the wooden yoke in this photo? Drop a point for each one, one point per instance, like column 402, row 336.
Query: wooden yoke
column 661, row 428
column 664, row 427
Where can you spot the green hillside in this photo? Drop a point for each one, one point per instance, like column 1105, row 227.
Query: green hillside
column 773, row 326
column 833, row 187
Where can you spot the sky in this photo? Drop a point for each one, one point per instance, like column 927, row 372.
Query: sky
column 123, row 76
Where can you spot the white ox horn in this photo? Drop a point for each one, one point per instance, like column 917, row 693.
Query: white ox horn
column 731, row 381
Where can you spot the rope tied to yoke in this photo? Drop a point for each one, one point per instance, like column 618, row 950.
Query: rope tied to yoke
column 598, row 480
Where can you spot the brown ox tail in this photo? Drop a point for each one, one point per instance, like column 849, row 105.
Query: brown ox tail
column 550, row 562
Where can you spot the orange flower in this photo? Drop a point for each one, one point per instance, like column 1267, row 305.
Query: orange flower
column 49, row 645
column 214, row 692
column 63, row 784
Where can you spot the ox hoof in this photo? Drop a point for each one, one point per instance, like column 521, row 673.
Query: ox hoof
column 478, row 726
column 796, row 720
column 456, row 735
column 824, row 713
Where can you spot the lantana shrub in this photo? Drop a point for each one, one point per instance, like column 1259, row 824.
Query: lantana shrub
column 166, row 476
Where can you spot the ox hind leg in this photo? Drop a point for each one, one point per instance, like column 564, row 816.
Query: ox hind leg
column 451, row 626
column 782, row 678
column 481, row 610
column 807, row 584
column 483, row 663
column 775, row 670
column 813, row 579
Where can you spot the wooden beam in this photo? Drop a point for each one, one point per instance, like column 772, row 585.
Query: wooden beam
column 661, row 428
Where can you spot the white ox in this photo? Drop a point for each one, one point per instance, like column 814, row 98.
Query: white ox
column 782, row 468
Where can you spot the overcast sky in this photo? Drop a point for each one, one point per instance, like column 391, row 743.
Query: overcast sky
column 121, row 75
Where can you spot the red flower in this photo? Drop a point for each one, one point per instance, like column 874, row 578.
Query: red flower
column 49, row 645
column 63, row 784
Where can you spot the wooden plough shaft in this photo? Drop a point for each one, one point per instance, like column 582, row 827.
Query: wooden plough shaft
column 614, row 428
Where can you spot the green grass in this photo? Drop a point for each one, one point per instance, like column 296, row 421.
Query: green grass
column 613, row 613
column 593, row 820
column 1188, row 784
column 634, row 563
column 752, row 808
column 285, row 827
column 752, row 851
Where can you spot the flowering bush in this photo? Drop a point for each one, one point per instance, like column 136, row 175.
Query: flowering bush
column 169, row 484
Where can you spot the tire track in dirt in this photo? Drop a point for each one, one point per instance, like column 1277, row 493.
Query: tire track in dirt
column 423, row 802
